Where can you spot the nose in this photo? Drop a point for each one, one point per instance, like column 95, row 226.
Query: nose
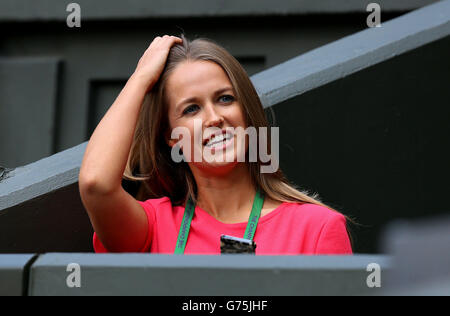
column 213, row 117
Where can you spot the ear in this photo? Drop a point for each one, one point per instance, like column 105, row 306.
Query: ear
column 172, row 143
column 167, row 137
column 169, row 141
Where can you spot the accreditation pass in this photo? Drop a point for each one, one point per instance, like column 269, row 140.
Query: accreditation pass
column 232, row 305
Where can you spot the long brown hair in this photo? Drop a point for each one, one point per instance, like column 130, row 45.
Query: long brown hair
column 150, row 159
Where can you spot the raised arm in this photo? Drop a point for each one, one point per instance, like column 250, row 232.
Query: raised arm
column 117, row 218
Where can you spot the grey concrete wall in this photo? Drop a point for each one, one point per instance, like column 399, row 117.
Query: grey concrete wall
column 193, row 275
column 14, row 274
column 229, row 275
column 353, row 53
column 41, row 208
column 28, row 94
column 373, row 148
column 50, row 10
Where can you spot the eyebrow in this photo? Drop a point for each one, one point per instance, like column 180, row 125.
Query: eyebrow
column 192, row 99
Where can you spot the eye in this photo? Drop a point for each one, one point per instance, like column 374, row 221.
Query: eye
column 190, row 109
column 227, row 96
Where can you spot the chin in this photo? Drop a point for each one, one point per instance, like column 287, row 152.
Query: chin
column 217, row 168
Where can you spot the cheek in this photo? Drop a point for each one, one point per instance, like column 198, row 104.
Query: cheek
column 193, row 134
column 237, row 116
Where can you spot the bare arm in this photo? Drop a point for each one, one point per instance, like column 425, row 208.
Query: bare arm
column 117, row 218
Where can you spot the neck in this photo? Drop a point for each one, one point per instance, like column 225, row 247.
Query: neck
column 228, row 196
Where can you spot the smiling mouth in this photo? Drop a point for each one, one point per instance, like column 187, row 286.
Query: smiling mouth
column 218, row 140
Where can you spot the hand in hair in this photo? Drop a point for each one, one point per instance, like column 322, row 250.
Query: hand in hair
column 152, row 62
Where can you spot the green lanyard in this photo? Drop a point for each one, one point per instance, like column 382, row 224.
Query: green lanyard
column 189, row 213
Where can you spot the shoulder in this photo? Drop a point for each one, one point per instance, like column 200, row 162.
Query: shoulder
column 313, row 212
column 158, row 204
column 158, row 201
column 325, row 228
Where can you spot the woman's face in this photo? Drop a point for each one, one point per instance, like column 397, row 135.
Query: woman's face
column 203, row 103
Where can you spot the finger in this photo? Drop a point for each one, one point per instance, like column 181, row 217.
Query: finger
column 165, row 38
column 171, row 38
column 177, row 39
column 155, row 41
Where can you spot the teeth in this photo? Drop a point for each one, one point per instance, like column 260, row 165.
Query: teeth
column 218, row 139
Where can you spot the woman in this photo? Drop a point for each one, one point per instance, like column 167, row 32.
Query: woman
column 184, row 207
